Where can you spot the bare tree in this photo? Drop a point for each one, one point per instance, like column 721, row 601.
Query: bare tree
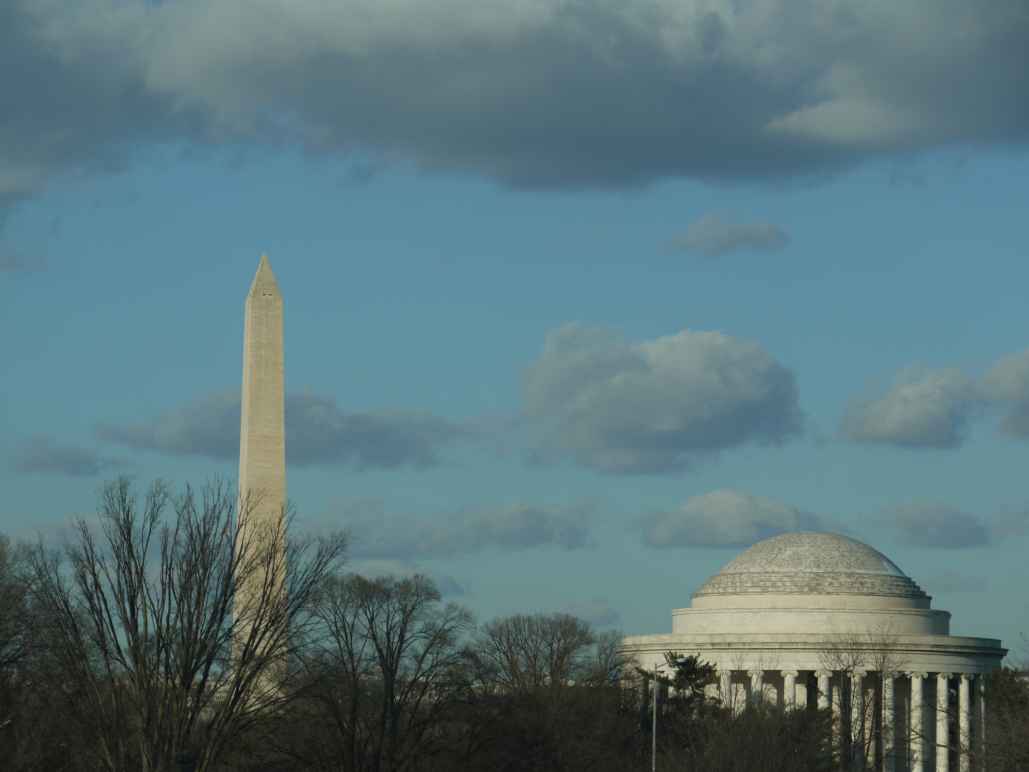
column 874, row 657
column 161, row 656
column 383, row 667
column 528, row 652
column 14, row 642
column 1006, row 746
column 549, row 693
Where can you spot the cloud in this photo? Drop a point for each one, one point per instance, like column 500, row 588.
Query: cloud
column 926, row 524
column 15, row 262
column 44, row 455
column 540, row 93
column 317, row 432
column 597, row 611
column 923, row 409
column 658, row 406
column 725, row 518
column 74, row 102
column 714, row 236
column 953, row 582
column 377, row 534
column 447, row 585
column 1006, row 384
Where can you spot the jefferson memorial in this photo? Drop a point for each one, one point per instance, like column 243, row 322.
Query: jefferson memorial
column 820, row 619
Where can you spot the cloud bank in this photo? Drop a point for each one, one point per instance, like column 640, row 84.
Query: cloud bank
column 377, row 534
column 317, row 432
column 725, row 518
column 926, row 524
column 44, row 455
column 658, row 406
column 543, row 93
column 714, row 236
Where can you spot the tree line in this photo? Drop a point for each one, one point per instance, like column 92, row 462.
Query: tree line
column 168, row 635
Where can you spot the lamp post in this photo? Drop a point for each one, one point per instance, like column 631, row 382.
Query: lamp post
column 653, row 726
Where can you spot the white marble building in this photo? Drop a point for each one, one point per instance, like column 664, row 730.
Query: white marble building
column 806, row 619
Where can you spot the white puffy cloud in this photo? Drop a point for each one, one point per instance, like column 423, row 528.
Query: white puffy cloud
column 657, row 406
column 923, row 409
column 713, row 235
column 725, row 518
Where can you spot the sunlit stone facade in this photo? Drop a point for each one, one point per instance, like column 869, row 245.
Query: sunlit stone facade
column 817, row 619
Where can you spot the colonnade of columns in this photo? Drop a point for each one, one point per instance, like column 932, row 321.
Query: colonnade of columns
column 889, row 724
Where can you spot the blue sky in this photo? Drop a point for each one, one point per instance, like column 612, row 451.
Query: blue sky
column 581, row 299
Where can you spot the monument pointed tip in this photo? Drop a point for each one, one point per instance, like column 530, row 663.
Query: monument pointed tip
column 264, row 279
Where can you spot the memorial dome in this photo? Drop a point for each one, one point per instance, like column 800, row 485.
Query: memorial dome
column 809, row 563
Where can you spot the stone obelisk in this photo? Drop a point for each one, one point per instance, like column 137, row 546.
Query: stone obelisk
column 262, row 429
column 262, row 458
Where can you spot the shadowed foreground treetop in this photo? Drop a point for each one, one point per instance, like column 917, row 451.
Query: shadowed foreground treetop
column 164, row 654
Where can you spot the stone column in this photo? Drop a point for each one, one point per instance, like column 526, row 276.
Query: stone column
column 757, row 678
column 823, row 688
column 836, row 698
column 889, row 735
column 980, row 738
column 942, row 727
column 857, row 715
column 789, row 689
column 869, row 716
column 725, row 687
column 964, row 722
column 915, row 731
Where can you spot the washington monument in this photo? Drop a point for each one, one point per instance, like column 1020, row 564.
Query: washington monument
column 262, row 430
column 262, row 459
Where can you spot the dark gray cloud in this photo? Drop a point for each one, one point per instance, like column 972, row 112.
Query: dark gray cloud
column 377, row 534
column 76, row 97
column 44, row 455
column 547, row 93
column 925, row 524
column 658, row 406
column 725, row 518
column 923, row 409
column 317, row 432
column 714, row 236
column 1006, row 384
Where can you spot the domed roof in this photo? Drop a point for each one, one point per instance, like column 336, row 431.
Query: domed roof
column 811, row 563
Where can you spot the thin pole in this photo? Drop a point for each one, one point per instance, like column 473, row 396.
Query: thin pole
column 653, row 727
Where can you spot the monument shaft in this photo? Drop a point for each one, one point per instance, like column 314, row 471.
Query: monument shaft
column 262, row 438
column 260, row 541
